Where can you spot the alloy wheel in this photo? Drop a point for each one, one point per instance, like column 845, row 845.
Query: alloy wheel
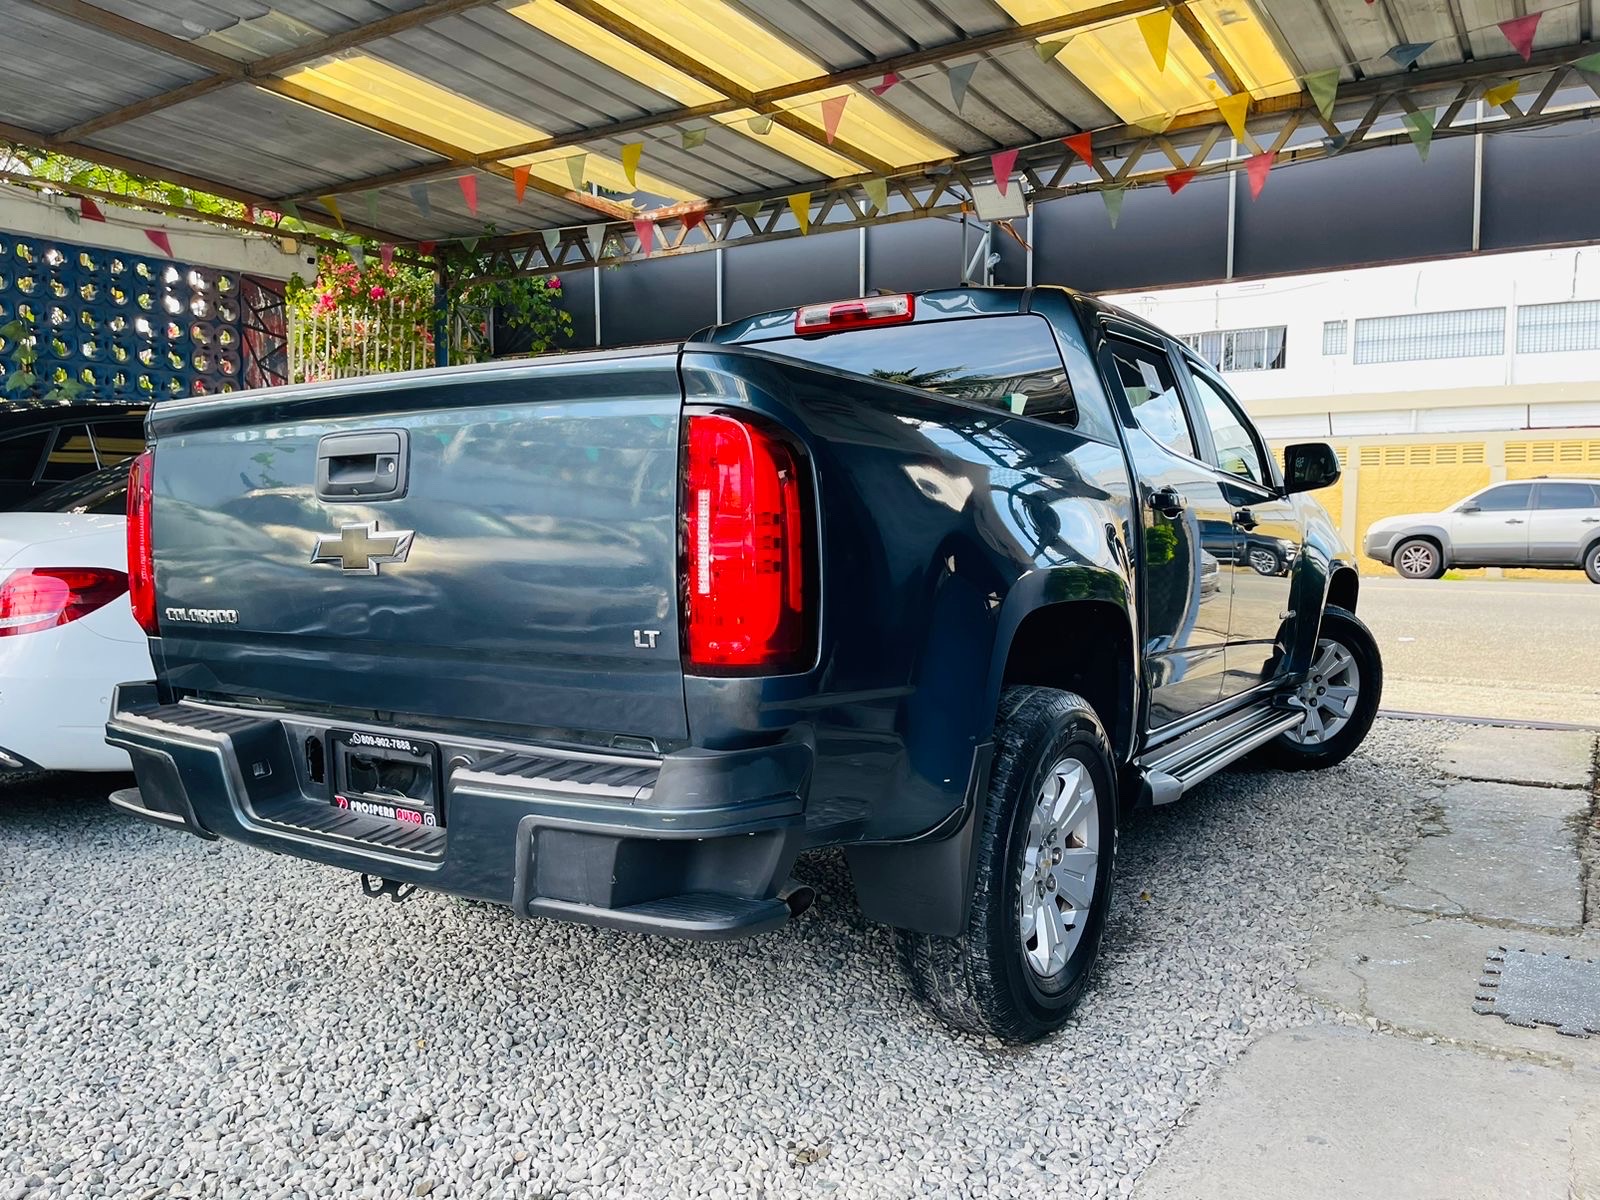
column 1061, row 860
column 1328, row 694
column 1417, row 559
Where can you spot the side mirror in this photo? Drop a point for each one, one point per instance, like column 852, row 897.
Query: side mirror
column 1308, row 466
column 1471, row 506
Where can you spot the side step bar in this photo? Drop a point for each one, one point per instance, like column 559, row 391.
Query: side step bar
column 1172, row 770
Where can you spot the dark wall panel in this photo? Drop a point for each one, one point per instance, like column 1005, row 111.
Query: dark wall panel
column 658, row 299
column 1371, row 206
column 1540, row 186
column 800, row 270
column 916, row 256
column 577, row 297
column 1160, row 239
column 1012, row 269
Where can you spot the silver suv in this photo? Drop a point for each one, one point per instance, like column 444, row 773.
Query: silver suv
column 1542, row 522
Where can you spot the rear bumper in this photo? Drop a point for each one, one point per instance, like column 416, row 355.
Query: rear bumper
column 695, row 844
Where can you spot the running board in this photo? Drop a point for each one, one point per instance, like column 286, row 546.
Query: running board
column 1172, row 770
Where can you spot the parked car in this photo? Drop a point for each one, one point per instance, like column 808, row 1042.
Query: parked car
column 612, row 637
column 42, row 446
column 1545, row 522
column 67, row 633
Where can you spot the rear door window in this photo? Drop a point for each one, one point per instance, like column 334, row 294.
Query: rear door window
column 1568, row 495
column 1010, row 363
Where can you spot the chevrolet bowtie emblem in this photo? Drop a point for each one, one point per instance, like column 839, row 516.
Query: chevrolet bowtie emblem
column 359, row 549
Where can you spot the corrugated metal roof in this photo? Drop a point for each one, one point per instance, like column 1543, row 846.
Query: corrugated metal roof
column 590, row 77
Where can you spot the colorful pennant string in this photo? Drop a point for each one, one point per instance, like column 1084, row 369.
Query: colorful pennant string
column 760, row 124
column 371, row 199
column 358, row 255
column 552, row 245
column 750, row 209
column 1113, row 200
column 800, row 206
column 960, row 81
column 1502, row 94
column 386, row 254
column 1323, row 87
column 832, row 110
column 1178, row 180
column 469, row 192
column 160, row 240
column 332, row 205
column 595, row 235
column 877, row 191
column 1258, row 166
column 691, row 219
column 1233, row 110
column 1081, row 144
column 631, row 154
column 419, row 197
column 645, row 230
column 1047, row 51
column 1419, row 125
column 1406, row 53
column 1156, row 27
column 519, row 179
column 575, row 166
column 88, row 208
column 1519, row 32
column 693, row 139
column 1002, row 162
column 889, row 80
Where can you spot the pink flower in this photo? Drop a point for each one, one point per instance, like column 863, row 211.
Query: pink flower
column 377, row 292
column 555, row 284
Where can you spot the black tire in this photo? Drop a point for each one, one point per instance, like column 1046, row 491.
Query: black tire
column 981, row 981
column 1343, row 629
column 1263, row 560
column 1591, row 563
column 1423, row 562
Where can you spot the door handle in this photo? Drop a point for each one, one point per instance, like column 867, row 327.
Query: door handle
column 1168, row 502
column 1245, row 519
column 1591, row 521
column 362, row 466
column 1514, row 521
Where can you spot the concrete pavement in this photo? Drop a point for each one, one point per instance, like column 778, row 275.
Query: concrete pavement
column 1405, row 1092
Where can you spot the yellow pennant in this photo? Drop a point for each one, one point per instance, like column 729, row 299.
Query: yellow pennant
column 1154, row 125
column 630, row 161
column 877, row 191
column 1497, row 97
column 332, row 205
column 1233, row 110
column 800, row 206
column 1157, row 30
column 575, row 166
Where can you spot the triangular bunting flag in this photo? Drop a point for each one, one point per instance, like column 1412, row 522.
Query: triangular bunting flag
column 1155, row 125
column 1323, row 87
column 645, row 230
column 159, row 239
column 470, row 243
column 1258, row 166
column 1081, row 144
column 749, row 209
column 1179, row 180
column 552, row 245
column 1407, row 53
column 332, row 205
column 1047, row 51
column 1002, row 161
column 630, row 162
column 800, row 206
column 358, row 254
column 691, row 219
column 877, row 191
column 960, row 80
column 1519, row 32
column 595, row 235
column 1157, row 30
column 427, row 247
column 1113, row 199
column 575, row 166
column 889, row 80
column 693, row 139
column 1419, row 125
column 250, row 213
column 1502, row 94
column 760, row 124
column 832, row 110
column 371, row 198
column 469, row 191
column 72, row 215
column 419, row 197
column 88, row 208
column 290, row 209
column 1589, row 63
column 1233, row 110
column 519, row 179
column 386, row 254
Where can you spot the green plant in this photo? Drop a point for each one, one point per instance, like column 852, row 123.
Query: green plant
column 19, row 346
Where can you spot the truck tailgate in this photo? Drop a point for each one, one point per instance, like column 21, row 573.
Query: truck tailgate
column 538, row 586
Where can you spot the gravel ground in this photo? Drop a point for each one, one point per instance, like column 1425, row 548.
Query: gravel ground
column 180, row 1018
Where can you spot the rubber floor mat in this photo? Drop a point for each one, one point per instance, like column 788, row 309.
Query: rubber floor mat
column 1541, row 989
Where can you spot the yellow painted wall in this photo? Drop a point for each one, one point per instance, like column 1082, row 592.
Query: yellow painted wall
column 1388, row 491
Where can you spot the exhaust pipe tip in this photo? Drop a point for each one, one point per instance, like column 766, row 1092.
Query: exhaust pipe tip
column 798, row 896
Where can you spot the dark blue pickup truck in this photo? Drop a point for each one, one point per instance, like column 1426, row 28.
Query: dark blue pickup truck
column 951, row 580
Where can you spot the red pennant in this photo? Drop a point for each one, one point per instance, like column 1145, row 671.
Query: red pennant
column 889, row 80
column 1258, row 165
column 692, row 218
column 1179, row 180
column 1002, row 161
column 160, row 240
column 427, row 247
column 1519, row 32
column 645, row 230
column 386, row 254
column 1081, row 144
column 519, row 177
column 89, row 209
column 832, row 110
column 469, row 189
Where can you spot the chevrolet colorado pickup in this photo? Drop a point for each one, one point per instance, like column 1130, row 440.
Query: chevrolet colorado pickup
column 950, row 580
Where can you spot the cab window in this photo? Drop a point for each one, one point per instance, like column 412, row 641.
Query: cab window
column 1150, row 386
column 1235, row 449
column 1509, row 497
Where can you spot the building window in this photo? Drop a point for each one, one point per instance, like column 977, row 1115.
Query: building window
column 1570, row 325
column 1241, row 349
column 1335, row 337
column 1464, row 333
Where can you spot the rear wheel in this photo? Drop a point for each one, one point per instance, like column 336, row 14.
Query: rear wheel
column 1044, row 857
column 1264, row 561
column 1591, row 563
column 1339, row 696
column 1418, row 559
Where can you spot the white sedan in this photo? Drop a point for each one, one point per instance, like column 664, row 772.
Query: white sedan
column 67, row 633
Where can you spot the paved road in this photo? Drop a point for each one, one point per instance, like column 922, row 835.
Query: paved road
column 1529, row 651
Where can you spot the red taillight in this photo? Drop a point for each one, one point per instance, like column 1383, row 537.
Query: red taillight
column 141, row 553
column 744, row 550
column 865, row 313
column 38, row 598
